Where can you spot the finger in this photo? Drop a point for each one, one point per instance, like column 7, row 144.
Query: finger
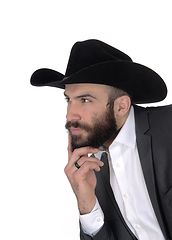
column 69, row 147
column 84, row 159
column 86, row 167
column 87, row 161
column 80, row 152
column 73, row 168
column 76, row 155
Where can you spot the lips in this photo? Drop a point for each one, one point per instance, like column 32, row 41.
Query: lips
column 76, row 131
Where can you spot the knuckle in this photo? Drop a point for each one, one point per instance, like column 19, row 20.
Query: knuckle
column 65, row 170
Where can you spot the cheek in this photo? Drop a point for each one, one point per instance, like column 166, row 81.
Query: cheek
column 97, row 117
column 90, row 115
column 99, row 111
column 89, row 118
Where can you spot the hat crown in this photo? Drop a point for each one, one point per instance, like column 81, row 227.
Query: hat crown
column 91, row 52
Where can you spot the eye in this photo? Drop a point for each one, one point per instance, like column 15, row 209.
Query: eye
column 67, row 99
column 85, row 100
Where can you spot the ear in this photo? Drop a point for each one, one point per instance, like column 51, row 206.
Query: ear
column 122, row 106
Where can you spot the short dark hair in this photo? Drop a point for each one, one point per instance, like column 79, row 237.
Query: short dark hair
column 114, row 93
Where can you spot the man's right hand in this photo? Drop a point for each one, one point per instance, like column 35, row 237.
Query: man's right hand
column 83, row 180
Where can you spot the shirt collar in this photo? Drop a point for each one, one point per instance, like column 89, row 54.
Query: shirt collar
column 127, row 135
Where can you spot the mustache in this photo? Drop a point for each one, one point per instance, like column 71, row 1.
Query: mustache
column 76, row 124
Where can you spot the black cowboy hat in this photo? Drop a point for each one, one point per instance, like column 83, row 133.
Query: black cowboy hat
column 93, row 61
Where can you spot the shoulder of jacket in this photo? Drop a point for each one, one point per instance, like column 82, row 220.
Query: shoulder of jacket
column 153, row 109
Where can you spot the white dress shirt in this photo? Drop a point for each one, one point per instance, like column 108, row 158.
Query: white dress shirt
column 129, row 188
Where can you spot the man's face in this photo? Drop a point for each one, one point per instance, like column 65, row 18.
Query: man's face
column 90, row 118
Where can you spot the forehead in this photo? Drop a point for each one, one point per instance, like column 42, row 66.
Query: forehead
column 94, row 89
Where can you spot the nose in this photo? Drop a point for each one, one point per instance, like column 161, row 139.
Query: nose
column 72, row 112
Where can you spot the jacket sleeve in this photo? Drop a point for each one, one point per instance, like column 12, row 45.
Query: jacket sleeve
column 105, row 233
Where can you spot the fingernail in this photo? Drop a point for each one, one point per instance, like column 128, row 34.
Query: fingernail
column 95, row 149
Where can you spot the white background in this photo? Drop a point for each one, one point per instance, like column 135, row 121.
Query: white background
column 36, row 201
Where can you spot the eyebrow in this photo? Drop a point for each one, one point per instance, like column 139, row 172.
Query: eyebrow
column 81, row 96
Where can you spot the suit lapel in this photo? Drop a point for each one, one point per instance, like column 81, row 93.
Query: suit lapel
column 145, row 154
column 105, row 175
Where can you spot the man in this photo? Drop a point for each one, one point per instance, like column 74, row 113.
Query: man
column 124, row 189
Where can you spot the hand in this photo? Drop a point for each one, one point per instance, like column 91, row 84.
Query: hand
column 83, row 180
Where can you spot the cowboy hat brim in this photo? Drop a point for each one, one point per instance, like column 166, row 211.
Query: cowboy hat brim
column 140, row 82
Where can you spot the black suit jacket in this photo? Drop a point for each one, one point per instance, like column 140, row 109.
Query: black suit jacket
column 154, row 142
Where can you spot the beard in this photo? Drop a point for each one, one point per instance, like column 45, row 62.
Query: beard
column 102, row 129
